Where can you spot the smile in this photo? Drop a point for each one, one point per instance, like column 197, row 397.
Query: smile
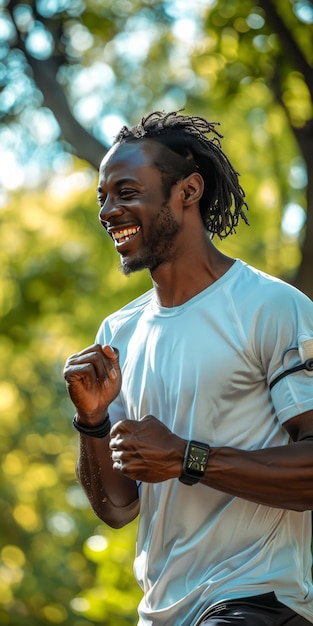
column 120, row 236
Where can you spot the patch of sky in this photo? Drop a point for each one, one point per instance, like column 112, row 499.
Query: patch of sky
column 26, row 162
column 11, row 172
column 304, row 11
column 62, row 185
column 298, row 177
column 61, row 524
column 42, row 125
column 186, row 29
column 23, row 16
column 7, row 29
column 80, row 39
column 17, row 90
column 294, row 218
column 7, row 100
column 134, row 46
column 86, row 109
column 90, row 89
column 39, row 42
column 107, row 127
column 84, row 81
column 173, row 99
column 47, row 8
column 255, row 21
column 261, row 43
column 184, row 8
column 121, row 8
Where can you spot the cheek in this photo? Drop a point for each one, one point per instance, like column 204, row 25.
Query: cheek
column 173, row 213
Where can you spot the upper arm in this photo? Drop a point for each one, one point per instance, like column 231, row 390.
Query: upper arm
column 284, row 341
column 300, row 427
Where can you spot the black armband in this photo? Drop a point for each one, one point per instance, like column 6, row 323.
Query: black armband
column 307, row 365
column 94, row 431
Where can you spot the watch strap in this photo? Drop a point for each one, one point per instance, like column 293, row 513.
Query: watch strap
column 189, row 480
column 189, row 477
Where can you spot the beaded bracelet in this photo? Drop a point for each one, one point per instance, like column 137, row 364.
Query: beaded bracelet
column 94, row 431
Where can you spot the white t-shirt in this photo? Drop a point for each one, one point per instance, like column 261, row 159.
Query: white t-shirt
column 204, row 369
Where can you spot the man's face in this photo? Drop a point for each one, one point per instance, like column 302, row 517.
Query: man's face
column 133, row 209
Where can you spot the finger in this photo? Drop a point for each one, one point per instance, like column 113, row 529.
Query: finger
column 113, row 355
column 85, row 356
column 122, row 427
column 117, row 460
column 117, row 442
column 115, row 428
column 103, row 365
column 118, row 465
column 95, row 347
column 79, row 371
column 89, row 364
column 117, row 456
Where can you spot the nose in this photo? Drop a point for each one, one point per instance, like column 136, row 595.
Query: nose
column 108, row 211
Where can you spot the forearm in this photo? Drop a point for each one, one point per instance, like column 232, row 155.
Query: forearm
column 279, row 477
column 113, row 496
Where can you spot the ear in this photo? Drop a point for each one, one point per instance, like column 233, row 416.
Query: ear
column 192, row 188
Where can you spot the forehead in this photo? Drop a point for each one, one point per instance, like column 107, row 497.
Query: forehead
column 128, row 159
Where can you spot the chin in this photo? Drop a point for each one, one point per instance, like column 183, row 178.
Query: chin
column 129, row 266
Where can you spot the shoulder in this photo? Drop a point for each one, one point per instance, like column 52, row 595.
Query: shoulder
column 131, row 311
column 268, row 292
column 273, row 314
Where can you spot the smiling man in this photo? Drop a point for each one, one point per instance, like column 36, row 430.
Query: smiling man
column 207, row 379
column 144, row 237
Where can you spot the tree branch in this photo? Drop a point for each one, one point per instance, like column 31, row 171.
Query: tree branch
column 84, row 144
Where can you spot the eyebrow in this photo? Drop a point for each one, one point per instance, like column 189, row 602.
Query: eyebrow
column 122, row 181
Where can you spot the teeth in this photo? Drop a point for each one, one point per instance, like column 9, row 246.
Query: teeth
column 125, row 234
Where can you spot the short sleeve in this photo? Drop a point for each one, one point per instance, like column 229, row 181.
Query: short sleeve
column 285, row 339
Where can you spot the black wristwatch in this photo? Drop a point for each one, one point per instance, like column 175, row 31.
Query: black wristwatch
column 195, row 462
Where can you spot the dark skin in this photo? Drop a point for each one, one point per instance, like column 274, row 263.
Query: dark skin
column 130, row 195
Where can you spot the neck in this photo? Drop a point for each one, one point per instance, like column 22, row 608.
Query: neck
column 190, row 273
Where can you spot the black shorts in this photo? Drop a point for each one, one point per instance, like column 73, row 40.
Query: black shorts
column 263, row 610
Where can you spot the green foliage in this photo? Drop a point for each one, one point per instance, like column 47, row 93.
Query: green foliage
column 60, row 277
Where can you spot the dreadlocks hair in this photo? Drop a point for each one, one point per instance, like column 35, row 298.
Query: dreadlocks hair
column 223, row 200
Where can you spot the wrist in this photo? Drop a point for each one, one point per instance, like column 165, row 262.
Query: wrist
column 91, row 420
column 98, row 431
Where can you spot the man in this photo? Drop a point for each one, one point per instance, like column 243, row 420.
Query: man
column 207, row 379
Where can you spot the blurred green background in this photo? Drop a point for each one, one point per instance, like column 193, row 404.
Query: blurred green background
column 71, row 73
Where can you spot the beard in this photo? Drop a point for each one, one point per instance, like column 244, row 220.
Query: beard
column 157, row 245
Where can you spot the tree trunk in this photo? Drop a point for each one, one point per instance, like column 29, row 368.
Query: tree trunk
column 304, row 277
column 304, row 136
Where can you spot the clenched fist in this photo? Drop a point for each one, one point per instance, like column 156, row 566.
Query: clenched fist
column 93, row 379
column 146, row 450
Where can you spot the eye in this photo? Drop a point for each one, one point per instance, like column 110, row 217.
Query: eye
column 101, row 200
column 127, row 193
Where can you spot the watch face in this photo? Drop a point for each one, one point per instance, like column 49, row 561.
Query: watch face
column 197, row 460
